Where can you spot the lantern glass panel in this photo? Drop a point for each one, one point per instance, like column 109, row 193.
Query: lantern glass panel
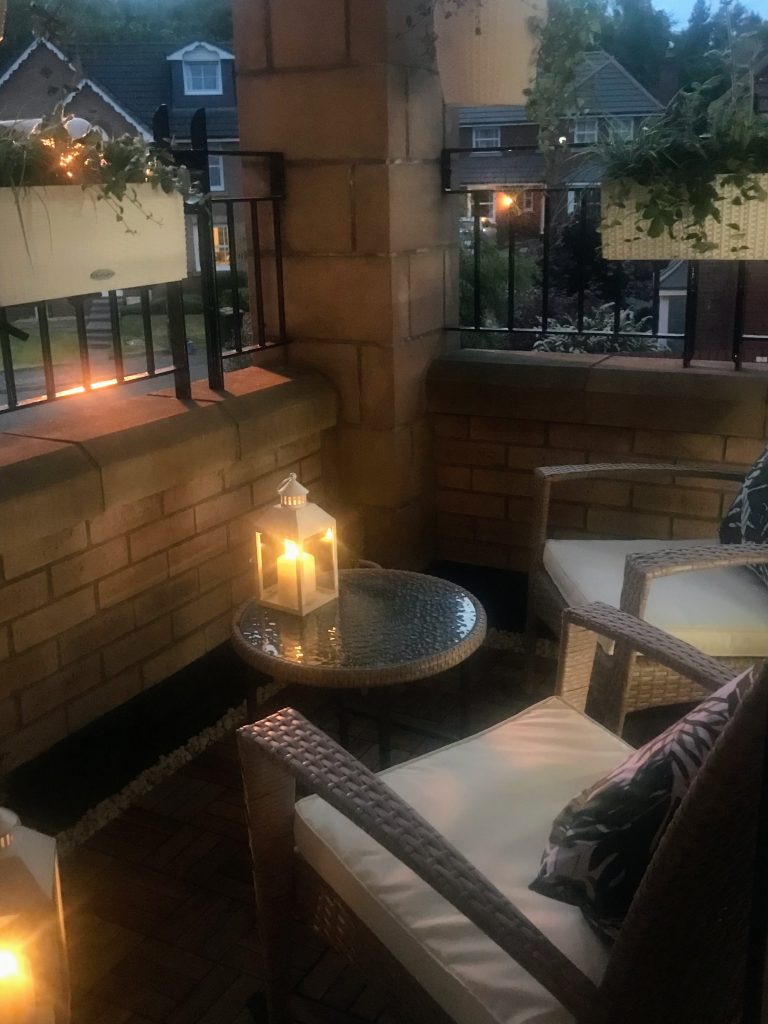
column 298, row 576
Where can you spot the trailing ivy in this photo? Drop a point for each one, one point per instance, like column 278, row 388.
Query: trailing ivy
column 709, row 142
column 571, row 28
column 49, row 155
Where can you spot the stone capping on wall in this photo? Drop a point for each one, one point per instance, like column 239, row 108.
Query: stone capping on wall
column 498, row 415
column 87, row 455
column 126, row 537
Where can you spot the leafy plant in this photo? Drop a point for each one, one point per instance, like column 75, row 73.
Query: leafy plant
column 634, row 334
column 707, row 142
column 50, row 155
column 422, row 20
column 493, row 272
column 569, row 30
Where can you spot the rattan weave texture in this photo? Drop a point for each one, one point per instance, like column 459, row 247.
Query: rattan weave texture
column 680, row 955
column 629, row 680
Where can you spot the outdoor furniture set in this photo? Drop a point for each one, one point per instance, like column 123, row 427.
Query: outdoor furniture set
column 437, row 875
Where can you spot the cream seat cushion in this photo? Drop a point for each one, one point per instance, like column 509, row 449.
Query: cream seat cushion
column 723, row 612
column 494, row 796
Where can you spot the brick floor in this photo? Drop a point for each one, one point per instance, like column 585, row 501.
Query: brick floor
column 160, row 914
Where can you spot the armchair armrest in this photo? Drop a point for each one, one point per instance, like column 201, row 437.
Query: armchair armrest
column 581, row 628
column 641, row 569
column 309, row 755
column 546, row 476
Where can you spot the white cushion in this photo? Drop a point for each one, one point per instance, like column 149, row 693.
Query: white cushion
column 494, row 796
column 723, row 612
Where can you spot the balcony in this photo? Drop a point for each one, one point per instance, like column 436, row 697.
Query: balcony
column 412, row 357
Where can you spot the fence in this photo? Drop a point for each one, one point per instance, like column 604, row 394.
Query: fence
column 532, row 277
column 232, row 304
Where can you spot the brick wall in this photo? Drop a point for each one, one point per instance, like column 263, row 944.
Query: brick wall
column 498, row 415
column 118, row 600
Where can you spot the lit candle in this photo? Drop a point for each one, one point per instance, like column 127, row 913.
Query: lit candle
column 17, row 1001
column 288, row 575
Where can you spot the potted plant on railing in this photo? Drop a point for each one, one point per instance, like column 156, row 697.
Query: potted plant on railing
column 80, row 213
column 693, row 183
column 485, row 49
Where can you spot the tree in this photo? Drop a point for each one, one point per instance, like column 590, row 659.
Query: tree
column 68, row 22
column 638, row 36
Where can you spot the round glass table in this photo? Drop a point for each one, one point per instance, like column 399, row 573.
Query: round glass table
column 386, row 627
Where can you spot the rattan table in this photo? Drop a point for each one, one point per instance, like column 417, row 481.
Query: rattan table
column 386, row 627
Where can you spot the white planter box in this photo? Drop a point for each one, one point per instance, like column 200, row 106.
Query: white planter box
column 491, row 67
column 622, row 241
column 60, row 240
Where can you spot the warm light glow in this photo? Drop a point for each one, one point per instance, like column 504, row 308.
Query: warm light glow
column 10, row 965
column 328, row 535
column 506, row 201
column 291, row 549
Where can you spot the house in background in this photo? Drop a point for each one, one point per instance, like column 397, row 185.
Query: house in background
column 119, row 86
column 610, row 102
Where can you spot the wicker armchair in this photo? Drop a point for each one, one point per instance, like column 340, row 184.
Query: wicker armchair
column 676, row 960
column 626, row 680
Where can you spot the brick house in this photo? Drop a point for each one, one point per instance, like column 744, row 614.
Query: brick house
column 119, row 86
column 610, row 102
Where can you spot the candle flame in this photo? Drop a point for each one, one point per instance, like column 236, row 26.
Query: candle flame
column 328, row 534
column 10, row 965
column 291, row 549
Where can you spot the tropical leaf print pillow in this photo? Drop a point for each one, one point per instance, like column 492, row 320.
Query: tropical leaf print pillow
column 747, row 518
column 602, row 842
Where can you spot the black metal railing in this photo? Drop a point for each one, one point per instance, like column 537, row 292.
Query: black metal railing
column 532, row 277
column 231, row 305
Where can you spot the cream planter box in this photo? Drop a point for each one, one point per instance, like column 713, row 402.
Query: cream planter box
column 486, row 51
column 621, row 240
column 60, row 240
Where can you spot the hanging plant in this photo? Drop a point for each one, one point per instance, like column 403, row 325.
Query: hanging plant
column 70, row 151
column 80, row 212
column 694, row 181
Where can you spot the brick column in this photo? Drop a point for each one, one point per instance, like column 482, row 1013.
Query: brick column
column 347, row 93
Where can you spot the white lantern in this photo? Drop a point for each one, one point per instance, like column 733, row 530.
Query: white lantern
column 34, row 985
column 297, row 567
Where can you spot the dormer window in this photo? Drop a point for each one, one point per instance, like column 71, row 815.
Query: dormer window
column 202, row 77
column 202, row 68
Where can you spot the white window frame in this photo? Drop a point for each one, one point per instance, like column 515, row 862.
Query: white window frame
column 528, row 205
column 196, row 62
column 216, row 167
column 622, row 127
column 491, row 141
column 586, row 130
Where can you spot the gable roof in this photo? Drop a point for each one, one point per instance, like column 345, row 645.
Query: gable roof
column 198, row 45
column 19, row 60
column 602, row 86
column 135, row 79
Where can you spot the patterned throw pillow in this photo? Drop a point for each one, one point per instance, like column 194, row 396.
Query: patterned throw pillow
column 602, row 842
column 747, row 518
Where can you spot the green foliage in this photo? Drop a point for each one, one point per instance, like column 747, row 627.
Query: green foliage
column 571, row 28
column 49, row 156
column 67, row 22
column 422, row 20
column 707, row 138
column 493, row 273
column 711, row 31
column 638, row 35
column 635, row 334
